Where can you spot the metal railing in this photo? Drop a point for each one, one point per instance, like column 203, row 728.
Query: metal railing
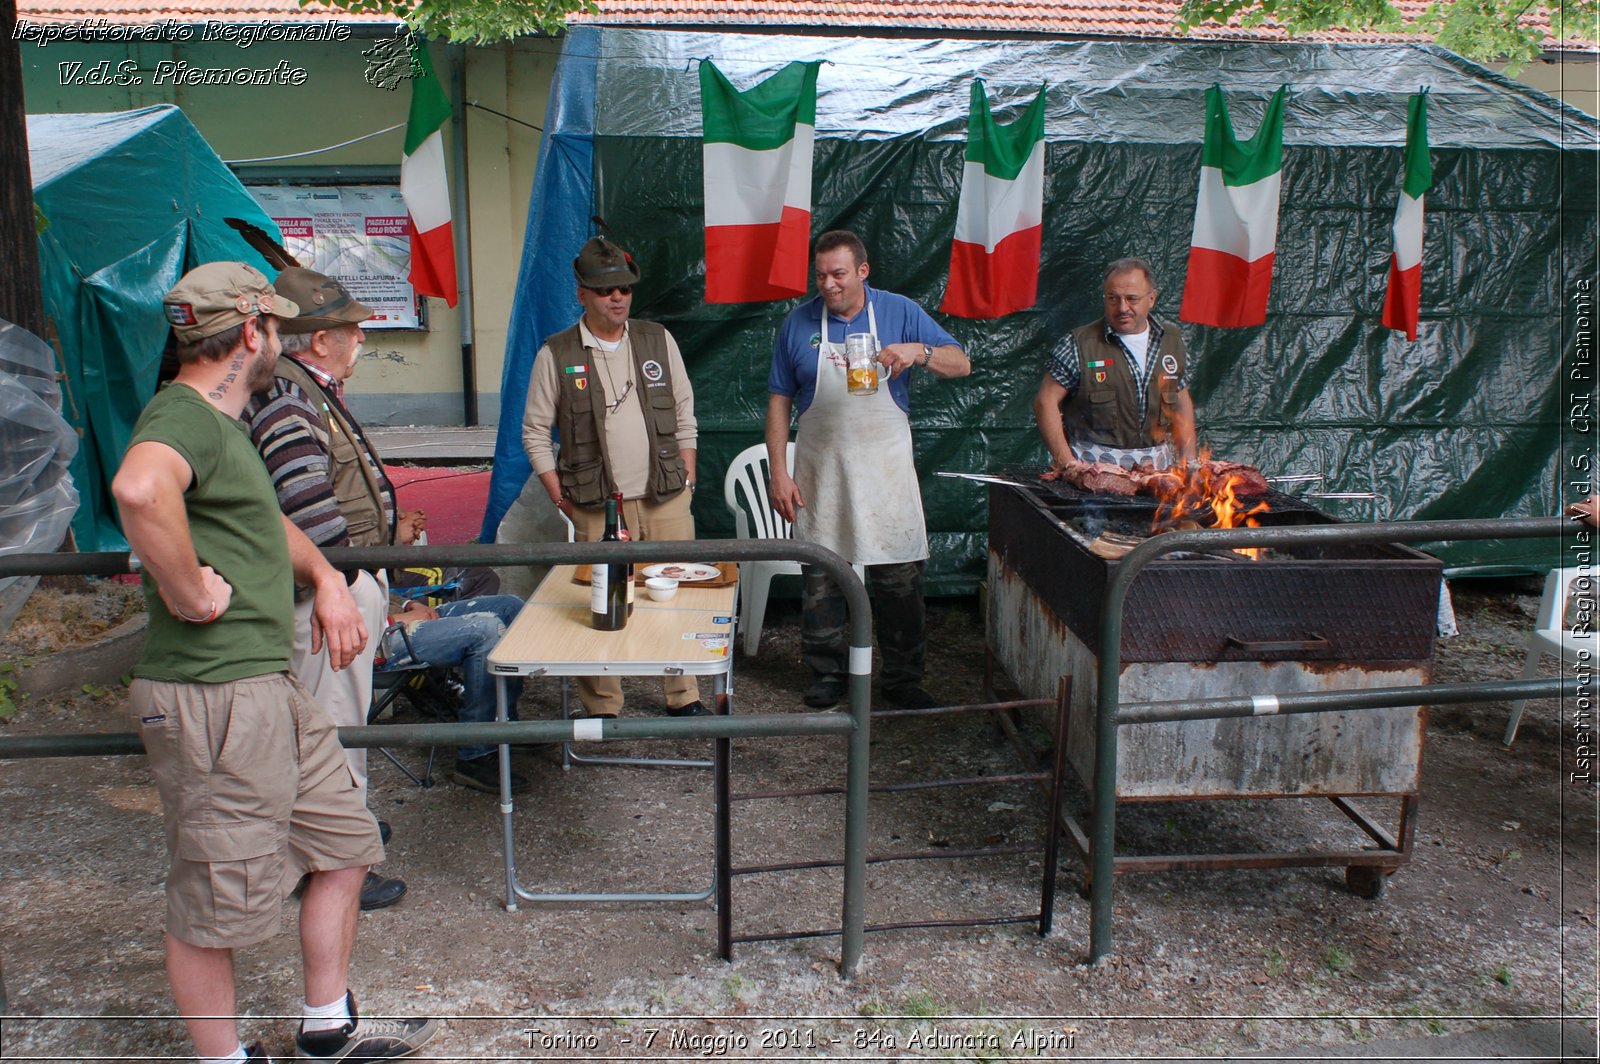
column 854, row 724
column 1109, row 715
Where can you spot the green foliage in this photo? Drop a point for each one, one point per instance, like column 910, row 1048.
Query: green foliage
column 469, row 21
column 1482, row 30
column 8, row 685
column 1336, row 959
column 922, row 1006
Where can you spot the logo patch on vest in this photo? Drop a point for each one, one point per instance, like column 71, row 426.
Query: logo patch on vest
column 1100, row 377
column 1169, row 364
column 577, row 369
column 582, row 384
column 652, row 371
column 1099, row 363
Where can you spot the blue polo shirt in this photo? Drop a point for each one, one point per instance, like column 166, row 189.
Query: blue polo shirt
column 794, row 358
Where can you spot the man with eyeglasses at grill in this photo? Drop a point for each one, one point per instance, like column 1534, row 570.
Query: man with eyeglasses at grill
column 617, row 391
column 1117, row 390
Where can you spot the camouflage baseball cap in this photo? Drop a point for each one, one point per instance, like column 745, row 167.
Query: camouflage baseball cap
column 215, row 297
column 601, row 264
column 324, row 302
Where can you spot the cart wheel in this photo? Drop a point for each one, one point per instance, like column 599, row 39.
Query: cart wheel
column 1365, row 881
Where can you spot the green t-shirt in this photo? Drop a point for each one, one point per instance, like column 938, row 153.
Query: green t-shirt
column 237, row 529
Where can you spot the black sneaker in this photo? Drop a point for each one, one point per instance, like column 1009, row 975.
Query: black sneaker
column 696, row 708
column 361, row 1039
column 825, row 693
column 909, row 696
column 384, row 831
column 380, row 893
column 483, row 774
column 253, row 1051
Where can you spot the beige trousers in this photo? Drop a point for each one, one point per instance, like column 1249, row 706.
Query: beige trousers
column 602, row 695
column 345, row 694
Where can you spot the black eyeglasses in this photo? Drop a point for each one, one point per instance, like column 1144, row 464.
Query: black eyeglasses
column 615, row 405
column 625, row 289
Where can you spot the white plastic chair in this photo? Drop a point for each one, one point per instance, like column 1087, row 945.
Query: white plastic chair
column 754, row 518
column 1550, row 634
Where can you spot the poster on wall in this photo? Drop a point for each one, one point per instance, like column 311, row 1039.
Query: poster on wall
column 355, row 233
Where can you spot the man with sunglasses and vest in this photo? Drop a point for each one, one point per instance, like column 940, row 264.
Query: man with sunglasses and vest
column 1117, row 390
column 331, row 483
column 616, row 391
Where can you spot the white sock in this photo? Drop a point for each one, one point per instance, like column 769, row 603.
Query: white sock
column 236, row 1057
column 327, row 1017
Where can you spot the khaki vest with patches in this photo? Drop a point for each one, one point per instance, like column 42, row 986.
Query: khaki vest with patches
column 1107, row 412
column 356, row 487
column 583, row 463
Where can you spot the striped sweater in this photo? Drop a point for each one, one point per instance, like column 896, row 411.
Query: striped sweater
column 287, row 429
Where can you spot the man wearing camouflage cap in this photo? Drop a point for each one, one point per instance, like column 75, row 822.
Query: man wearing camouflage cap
column 331, row 483
column 617, row 390
column 254, row 785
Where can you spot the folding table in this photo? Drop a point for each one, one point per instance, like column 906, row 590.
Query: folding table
column 690, row 634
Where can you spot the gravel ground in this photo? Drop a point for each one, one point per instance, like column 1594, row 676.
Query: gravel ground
column 1491, row 923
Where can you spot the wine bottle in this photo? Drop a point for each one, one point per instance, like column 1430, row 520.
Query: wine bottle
column 622, row 530
column 608, row 603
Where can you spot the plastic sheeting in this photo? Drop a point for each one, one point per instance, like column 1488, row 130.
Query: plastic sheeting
column 37, row 499
column 1465, row 422
column 133, row 200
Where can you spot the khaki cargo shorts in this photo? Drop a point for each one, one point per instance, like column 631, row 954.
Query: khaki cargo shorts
column 255, row 790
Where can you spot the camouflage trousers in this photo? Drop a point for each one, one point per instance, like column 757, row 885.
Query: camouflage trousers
column 898, row 611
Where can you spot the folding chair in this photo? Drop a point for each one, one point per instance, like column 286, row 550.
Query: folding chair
column 426, row 687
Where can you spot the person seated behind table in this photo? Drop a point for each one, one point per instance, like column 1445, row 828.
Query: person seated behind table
column 459, row 633
column 1117, row 390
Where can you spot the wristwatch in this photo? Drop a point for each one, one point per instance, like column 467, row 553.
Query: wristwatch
column 927, row 355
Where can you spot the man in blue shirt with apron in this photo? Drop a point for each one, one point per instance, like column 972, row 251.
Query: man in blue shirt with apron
column 854, row 488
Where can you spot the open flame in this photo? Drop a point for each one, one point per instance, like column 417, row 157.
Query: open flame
column 1195, row 496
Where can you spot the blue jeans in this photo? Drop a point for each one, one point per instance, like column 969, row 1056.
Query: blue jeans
column 463, row 636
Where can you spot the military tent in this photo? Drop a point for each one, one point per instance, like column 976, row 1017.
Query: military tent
column 1467, row 421
column 130, row 201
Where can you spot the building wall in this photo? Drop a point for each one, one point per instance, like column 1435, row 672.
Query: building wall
column 405, row 377
column 1574, row 80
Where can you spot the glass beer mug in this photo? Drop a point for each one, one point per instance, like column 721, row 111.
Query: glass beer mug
column 861, row 359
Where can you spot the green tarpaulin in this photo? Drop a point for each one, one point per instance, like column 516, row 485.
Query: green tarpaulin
column 132, row 200
column 1465, row 422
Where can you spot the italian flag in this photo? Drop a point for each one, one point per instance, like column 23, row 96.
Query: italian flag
column 1400, row 307
column 994, row 259
column 757, row 154
column 1235, row 219
column 423, row 186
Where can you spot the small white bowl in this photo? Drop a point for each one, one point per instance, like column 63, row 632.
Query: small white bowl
column 661, row 588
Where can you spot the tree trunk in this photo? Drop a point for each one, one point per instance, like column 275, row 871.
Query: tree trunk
column 21, row 297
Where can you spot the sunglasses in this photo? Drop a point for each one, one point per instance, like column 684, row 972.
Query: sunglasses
column 625, row 289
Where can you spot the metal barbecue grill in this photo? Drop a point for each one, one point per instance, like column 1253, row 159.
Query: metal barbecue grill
column 1324, row 618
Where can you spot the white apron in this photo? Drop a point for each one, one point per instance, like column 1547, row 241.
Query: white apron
column 853, row 464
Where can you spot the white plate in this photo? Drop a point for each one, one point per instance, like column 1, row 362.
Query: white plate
column 684, row 572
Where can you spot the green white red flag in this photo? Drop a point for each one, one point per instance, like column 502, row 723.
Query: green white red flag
column 424, row 188
column 994, row 258
column 757, row 154
column 1404, row 299
column 1235, row 218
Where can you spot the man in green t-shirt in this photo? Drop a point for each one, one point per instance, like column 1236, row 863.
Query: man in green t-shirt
column 255, row 788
